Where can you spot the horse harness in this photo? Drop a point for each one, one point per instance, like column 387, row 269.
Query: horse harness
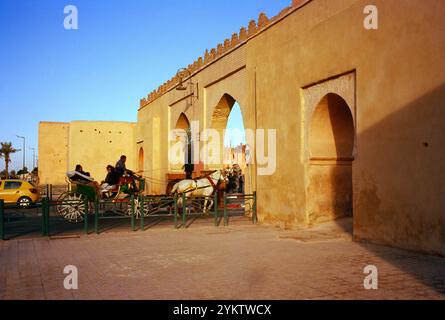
column 214, row 186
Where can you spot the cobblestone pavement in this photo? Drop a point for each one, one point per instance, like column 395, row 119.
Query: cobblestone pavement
column 241, row 261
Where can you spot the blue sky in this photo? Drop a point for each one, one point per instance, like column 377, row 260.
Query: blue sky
column 235, row 127
column 122, row 50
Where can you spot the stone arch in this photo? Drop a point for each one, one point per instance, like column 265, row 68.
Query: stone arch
column 221, row 112
column 218, row 123
column 215, row 147
column 182, row 122
column 331, row 139
column 331, row 130
column 181, row 126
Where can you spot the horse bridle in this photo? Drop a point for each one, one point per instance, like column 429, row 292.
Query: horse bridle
column 211, row 182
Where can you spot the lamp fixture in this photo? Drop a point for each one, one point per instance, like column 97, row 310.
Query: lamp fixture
column 183, row 86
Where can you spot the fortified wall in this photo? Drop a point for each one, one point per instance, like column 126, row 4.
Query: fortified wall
column 92, row 144
column 358, row 119
column 358, row 116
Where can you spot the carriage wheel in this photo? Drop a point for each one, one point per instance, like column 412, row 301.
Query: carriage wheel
column 138, row 209
column 71, row 206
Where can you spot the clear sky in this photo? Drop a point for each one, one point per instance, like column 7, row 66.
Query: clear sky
column 122, row 50
column 235, row 128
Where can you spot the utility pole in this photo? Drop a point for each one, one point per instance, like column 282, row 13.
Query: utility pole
column 24, row 157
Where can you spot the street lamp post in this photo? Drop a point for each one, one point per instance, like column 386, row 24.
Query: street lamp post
column 24, row 157
column 33, row 158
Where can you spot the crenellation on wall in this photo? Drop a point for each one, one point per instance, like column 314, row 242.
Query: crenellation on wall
column 242, row 34
column 221, row 49
column 263, row 20
column 252, row 29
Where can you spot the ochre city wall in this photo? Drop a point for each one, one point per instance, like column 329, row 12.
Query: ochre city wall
column 92, row 144
column 53, row 152
column 95, row 144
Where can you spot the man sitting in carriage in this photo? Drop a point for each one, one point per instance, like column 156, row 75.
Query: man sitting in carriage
column 110, row 183
column 79, row 175
column 127, row 178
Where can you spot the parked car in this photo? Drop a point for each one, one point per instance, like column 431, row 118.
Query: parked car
column 23, row 193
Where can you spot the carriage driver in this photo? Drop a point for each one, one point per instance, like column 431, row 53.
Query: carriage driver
column 121, row 169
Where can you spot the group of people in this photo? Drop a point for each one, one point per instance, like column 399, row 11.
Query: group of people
column 236, row 179
column 111, row 181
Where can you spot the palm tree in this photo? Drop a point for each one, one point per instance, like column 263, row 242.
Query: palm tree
column 5, row 152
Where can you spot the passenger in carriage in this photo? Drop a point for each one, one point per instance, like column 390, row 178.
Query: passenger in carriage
column 111, row 181
column 80, row 175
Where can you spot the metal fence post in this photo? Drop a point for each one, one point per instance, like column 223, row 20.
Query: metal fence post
column 215, row 202
column 226, row 220
column 47, row 209
column 85, row 215
column 2, row 221
column 133, row 226
column 141, row 205
column 175, row 217
column 184, row 210
column 254, row 214
column 45, row 216
column 96, row 216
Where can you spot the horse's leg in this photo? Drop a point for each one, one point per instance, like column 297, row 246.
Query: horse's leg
column 208, row 199
column 180, row 202
column 188, row 209
column 205, row 205
column 210, row 205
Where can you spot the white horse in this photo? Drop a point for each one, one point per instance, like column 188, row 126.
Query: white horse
column 203, row 187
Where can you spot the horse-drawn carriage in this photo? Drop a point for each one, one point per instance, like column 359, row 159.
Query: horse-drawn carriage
column 196, row 195
column 82, row 195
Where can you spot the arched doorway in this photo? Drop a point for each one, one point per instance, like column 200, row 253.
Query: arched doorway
column 331, row 148
column 229, row 148
column 141, row 160
column 183, row 122
column 182, row 127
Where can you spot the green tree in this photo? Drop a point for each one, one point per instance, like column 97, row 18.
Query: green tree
column 5, row 151
column 23, row 171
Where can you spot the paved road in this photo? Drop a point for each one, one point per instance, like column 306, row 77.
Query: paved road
column 241, row 261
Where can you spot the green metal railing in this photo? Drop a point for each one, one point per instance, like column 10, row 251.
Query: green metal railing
column 2, row 220
column 247, row 200
column 193, row 206
column 178, row 208
column 45, row 217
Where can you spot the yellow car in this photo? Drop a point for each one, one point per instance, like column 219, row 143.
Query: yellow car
column 22, row 193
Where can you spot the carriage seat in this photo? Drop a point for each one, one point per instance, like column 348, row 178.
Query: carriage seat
column 84, row 178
